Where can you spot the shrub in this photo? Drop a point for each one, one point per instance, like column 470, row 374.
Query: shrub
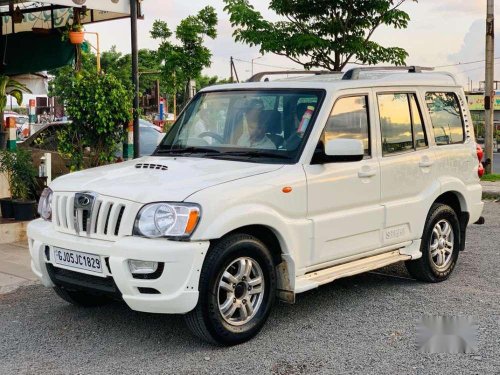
column 99, row 107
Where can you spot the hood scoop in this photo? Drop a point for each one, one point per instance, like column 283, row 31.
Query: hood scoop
column 159, row 167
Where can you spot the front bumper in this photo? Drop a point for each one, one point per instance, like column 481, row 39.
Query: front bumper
column 177, row 285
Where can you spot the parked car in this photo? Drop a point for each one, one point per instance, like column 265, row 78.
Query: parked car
column 45, row 141
column 269, row 189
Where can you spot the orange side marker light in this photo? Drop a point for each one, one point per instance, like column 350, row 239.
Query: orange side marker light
column 287, row 189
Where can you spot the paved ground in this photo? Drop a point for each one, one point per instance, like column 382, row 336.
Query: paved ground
column 360, row 325
column 15, row 268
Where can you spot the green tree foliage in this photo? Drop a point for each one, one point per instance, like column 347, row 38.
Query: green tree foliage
column 186, row 60
column 99, row 106
column 321, row 33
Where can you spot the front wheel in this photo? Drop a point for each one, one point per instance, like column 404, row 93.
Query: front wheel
column 237, row 290
column 440, row 246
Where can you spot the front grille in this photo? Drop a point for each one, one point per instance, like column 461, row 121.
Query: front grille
column 106, row 221
column 82, row 282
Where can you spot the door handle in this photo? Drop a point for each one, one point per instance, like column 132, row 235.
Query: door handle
column 366, row 174
column 426, row 163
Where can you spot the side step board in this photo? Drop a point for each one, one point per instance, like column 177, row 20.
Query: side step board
column 315, row 279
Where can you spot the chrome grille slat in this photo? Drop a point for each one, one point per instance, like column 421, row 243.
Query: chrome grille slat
column 70, row 213
column 108, row 220
column 95, row 216
column 55, row 208
column 101, row 226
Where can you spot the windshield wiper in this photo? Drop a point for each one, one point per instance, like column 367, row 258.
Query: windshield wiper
column 187, row 150
column 255, row 154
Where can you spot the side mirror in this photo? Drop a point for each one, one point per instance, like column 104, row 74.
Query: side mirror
column 344, row 150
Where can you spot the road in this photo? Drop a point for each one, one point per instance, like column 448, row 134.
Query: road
column 496, row 162
column 360, row 325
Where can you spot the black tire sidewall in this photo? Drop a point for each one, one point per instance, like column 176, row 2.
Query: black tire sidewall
column 223, row 255
column 440, row 212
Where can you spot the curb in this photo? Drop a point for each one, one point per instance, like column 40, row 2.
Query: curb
column 491, row 195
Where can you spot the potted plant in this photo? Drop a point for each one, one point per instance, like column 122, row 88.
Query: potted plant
column 23, row 186
column 76, row 34
column 6, row 168
column 11, row 87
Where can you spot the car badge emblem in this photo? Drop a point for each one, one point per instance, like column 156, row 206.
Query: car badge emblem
column 84, row 203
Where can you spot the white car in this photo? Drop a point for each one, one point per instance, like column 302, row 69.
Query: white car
column 264, row 190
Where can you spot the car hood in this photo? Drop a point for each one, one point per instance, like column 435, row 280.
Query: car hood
column 152, row 179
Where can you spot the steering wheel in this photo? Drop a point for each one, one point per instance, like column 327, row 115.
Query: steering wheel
column 213, row 135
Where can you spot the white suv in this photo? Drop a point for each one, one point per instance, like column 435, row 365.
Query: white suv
column 263, row 190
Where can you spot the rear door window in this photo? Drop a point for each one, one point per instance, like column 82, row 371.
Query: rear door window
column 401, row 123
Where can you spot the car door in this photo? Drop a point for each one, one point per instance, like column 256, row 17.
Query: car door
column 344, row 197
column 407, row 165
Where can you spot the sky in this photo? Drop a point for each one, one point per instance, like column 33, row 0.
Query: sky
column 440, row 33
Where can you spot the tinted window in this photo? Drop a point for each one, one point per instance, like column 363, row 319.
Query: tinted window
column 446, row 117
column 418, row 125
column 349, row 120
column 395, row 122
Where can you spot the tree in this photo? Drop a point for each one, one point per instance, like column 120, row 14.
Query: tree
column 321, row 33
column 99, row 106
column 185, row 61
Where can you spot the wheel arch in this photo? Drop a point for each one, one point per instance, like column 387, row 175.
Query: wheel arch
column 457, row 202
column 284, row 263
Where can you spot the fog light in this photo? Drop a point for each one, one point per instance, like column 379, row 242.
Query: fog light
column 141, row 267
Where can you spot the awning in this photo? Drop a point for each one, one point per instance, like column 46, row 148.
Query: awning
column 53, row 14
column 30, row 52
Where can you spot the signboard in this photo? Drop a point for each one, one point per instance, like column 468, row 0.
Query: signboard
column 115, row 6
column 476, row 102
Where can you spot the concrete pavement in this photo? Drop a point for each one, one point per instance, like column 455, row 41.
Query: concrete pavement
column 15, row 269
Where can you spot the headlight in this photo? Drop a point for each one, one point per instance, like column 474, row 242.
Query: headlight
column 45, row 204
column 167, row 220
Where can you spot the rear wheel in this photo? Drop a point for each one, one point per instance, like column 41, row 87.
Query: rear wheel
column 440, row 246
column 237, row 290
column 79, row 298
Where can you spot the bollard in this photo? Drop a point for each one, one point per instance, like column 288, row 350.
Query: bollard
column 11, row 126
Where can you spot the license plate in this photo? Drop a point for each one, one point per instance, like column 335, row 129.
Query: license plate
column 76, row 259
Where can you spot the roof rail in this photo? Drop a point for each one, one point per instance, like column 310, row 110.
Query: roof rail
column 258, row 77
column 353, row 74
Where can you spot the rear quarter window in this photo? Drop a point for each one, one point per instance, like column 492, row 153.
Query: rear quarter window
column 446, row 116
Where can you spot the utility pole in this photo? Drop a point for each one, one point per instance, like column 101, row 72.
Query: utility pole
column 488, row 91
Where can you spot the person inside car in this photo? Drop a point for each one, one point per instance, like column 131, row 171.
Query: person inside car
column 255, row 137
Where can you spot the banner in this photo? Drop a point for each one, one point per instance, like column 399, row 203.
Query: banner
column 476, row 102
column 115, row 6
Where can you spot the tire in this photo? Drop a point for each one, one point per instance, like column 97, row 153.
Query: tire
column 235, row 297
column 79, row 298
column 438, row 240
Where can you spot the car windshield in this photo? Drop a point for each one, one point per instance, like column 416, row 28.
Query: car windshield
column 267, row 125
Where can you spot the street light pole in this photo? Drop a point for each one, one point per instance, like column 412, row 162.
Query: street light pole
column 135, row 76
column 489, row 93
column 260, row 57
